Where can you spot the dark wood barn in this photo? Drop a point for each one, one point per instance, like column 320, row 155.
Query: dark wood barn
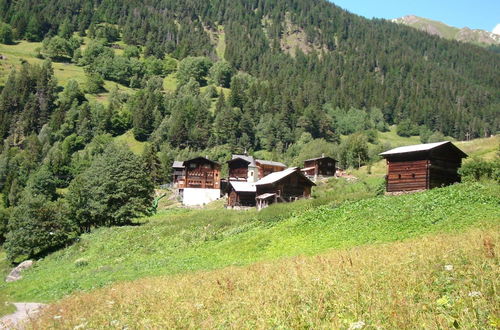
column 321, row 166
column 284, row 186
column 200, row 172
column 240, row 194
column 422, row 166
column 241, row 167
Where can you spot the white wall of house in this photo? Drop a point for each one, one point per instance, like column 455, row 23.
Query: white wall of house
column 199, row 196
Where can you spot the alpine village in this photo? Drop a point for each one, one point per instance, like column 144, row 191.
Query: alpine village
column 248, row 164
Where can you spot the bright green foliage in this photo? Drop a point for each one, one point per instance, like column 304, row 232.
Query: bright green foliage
column 6, row 34
column 477, row 169
column 193, row 67
column 94, row 83
column 407, row 128
column 221, row 73
column 131, row 51
column 37, row 227
column 114, row 190
column 354, row 151
column 60, row 49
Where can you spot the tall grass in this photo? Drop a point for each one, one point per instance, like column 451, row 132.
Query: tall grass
column 180, row 241
column 435, row 282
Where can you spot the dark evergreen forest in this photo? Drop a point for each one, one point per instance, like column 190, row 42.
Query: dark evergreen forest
column 350, row 76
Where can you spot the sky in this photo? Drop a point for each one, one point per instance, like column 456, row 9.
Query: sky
column 475, row 14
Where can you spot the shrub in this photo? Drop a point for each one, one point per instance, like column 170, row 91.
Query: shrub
column 37, row 227
column 478, row 169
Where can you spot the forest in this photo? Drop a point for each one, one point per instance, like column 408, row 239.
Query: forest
column 333, row 92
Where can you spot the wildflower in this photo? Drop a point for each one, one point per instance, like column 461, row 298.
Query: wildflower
column 474, row 294
column 114, row 323
column 199, row 306
column 357, row 325
column 448, row 267
column 57, row 317
column 111, row 302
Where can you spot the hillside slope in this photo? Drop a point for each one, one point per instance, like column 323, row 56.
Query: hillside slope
column 437, row 281
column 185, row 241
column 479, row 37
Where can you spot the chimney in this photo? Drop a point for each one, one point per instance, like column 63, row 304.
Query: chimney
column 246, row 152
column 323, row 155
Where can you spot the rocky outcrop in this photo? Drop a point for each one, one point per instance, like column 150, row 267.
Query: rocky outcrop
column 15, row 274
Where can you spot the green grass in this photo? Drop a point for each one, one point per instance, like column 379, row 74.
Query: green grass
column 170, row 83
column 182, row 240
column 64, row 72
column 129, row 140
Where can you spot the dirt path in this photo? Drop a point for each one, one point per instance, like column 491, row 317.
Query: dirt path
column 24, row 312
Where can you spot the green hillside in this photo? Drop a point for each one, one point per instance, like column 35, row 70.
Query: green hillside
column 180, row 241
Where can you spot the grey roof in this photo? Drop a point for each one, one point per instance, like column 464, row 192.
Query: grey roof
column 246, row 158
column 277, row 176
column 417, row 148
column 266, row 196
column 270, row 162
column 178, row 164
column 243, row 186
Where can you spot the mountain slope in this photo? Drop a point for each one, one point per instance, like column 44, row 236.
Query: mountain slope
column 479, row 37
column 338, row 59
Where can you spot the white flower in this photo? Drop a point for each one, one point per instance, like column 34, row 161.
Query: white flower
column 115, row 322
column 199, row 306
column 448, row 267
column 57, row 317
column 475, row 294
column 357, row 325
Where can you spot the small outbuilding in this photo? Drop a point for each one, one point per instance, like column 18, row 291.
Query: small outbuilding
column 241, row 194
column 422, row 166
column 284, row 186
column 247, row 168
column 320, row 166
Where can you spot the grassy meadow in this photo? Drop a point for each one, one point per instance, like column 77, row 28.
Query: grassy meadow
column 434, row 282
column 182, row 240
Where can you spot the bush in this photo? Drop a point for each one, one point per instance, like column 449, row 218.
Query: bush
column 478, row 169
column 406, row 128
column 37, row 227
column 112, row 191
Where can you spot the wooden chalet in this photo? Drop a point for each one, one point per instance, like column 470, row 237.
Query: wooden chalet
column 267, row 167
column 284, row 186
column 320, row 166
column 246, row 168
column 422, row 166
column 241, row 194
column 198, row 172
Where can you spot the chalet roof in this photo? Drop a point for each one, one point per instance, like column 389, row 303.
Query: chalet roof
column 305, row 169
column 270, row 163
column 277, row 176
column 420, row 148
column 202, row 158
column 318, row 158
column 248, row 159
column 178, row 164
column 243, row 186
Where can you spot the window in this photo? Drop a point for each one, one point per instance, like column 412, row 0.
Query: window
column 413, row 175
column 399, row 176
